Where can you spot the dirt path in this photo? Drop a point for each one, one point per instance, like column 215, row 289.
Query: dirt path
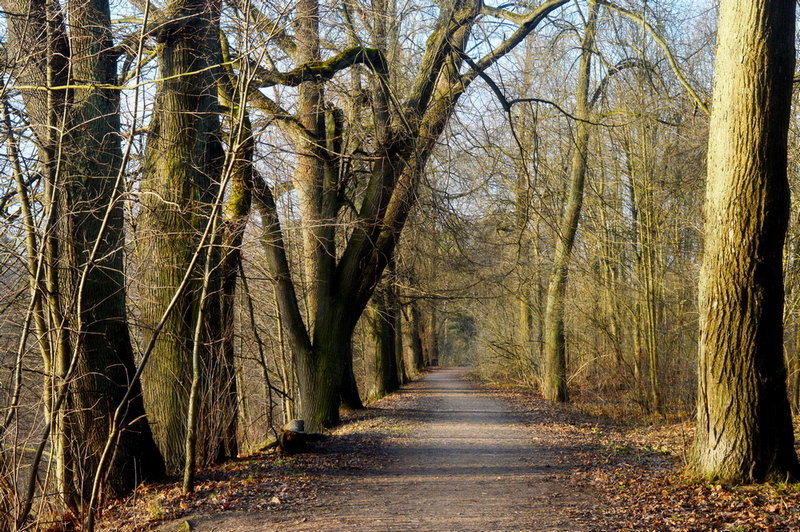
column 464, row 462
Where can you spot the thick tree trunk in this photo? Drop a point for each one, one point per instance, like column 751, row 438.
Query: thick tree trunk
column 383, row 367
column 181, row 180
column 94, row 184
column 403, row 375
column 411, row 340
column 415, row 341
column 429, row 337
column 319, row 372
column 351, row 399
column 744, row 425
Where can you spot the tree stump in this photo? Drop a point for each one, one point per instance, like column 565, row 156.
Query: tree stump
column 293, row 437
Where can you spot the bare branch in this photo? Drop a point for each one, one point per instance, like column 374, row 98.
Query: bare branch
column 673, row 63
column 325, row 70
column 529, row 23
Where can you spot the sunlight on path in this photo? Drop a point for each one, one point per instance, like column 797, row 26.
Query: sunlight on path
column 466, row 465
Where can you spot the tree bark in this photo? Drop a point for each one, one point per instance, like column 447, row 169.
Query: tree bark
column 383, row 368
column 90, row 234
column 94, row 184
column 744, row 427
column 412, row 342
column 181, row 179
column 351, row 399
column 554, row 378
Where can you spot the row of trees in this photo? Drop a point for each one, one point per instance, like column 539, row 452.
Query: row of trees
column 139, row 370
column 629, row 311
column 208, row 199
column 622, row 192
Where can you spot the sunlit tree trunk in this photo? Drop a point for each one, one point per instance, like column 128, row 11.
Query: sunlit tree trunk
column 644, row 218
column 554, row 378
column 94, row 183
column 744, row 427
column 90, row 233
column 180, row 183
column 403, row 375
column 412, row 342
column 383, row 373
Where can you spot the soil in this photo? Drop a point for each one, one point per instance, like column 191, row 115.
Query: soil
column 459, row 459
column 445, row 453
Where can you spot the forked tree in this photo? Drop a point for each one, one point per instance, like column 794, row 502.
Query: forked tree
column 82, row 319
column 342, row 267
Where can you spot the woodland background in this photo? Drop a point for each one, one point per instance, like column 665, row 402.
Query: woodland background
column 401, row 170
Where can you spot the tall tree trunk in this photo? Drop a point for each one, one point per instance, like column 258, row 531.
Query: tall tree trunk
column 403, row 375
column 94, row 183
column 92, row 287
column 180, row 184
column 309, row 173
column 383, row 369
column 609, row 275
column 412, row 342
column 554, row 379
column 429, row 337
column 349, row 394
column 744, row 426
column 641, row 170
column 237, row 212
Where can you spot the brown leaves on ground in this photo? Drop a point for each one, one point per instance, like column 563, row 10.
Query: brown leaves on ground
column 265, row 481
column 637, row 473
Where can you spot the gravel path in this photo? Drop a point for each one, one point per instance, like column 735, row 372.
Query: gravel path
column 466, row 464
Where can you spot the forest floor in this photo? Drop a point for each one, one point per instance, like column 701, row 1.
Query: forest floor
column 448, row 454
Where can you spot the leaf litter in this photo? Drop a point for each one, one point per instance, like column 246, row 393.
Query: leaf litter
column 638, row 473
column 634, row 471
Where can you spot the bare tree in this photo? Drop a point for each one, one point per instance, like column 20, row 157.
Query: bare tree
column 402, row 138
column 87, row 347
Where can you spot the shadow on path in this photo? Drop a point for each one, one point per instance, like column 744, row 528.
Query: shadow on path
column 466, row 463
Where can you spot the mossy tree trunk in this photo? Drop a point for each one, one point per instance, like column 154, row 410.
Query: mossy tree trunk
column 744, row 426
column 180, row 183
column 554, row 363
column 382, row 367
column 90, row 233
column 350, row 396
column 413, row 342
column 403, row 370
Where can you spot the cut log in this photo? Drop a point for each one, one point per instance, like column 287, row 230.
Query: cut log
column 292, row 442
column 293, row 438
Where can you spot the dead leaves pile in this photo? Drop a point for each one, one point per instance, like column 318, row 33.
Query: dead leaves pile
column 264, row 481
